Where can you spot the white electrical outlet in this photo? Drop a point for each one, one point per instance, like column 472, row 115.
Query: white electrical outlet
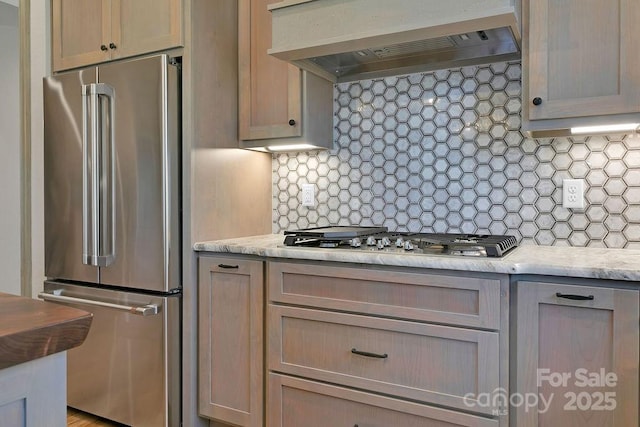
column 573, row 193
column 308, row 195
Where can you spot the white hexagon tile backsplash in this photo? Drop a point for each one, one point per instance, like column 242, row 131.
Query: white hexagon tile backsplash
column 443, row 152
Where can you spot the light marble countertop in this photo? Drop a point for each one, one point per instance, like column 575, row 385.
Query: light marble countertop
column 597, row 263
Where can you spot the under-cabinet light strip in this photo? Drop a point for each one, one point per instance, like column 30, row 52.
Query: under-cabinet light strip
column 292, row 147
column 605, row 128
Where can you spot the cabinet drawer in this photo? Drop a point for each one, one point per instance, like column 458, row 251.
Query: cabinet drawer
column 295, row 402
column 429, row 363
column 465, row 301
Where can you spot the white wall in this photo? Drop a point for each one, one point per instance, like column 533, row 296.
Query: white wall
column 9, row 151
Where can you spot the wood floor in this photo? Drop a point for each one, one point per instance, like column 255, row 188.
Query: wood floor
column 76, row 418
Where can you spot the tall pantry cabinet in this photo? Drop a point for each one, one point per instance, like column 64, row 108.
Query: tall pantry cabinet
column 226, row 191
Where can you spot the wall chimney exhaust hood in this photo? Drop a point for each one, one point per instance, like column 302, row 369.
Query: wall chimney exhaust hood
column 345, row 40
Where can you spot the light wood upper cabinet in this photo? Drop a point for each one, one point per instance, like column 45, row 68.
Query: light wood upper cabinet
column 230, row 328
column 79, row 29
column 142, row 26
column 277, row 100
column 566, row 334
column 580, row 60
column 87, row 32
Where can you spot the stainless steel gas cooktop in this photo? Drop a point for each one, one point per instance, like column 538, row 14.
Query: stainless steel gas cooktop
column 380, row 239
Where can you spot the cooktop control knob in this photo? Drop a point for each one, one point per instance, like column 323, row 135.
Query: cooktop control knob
column 385, row 241
column 355, row 242
column 399, row 242
column 380, row 244
column 408, row 246
column 371, row 241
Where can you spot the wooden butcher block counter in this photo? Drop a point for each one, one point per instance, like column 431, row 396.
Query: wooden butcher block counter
column 30, row 329
column 34, row 337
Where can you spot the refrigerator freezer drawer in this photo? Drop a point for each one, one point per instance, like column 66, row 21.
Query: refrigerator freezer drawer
column 127, row 370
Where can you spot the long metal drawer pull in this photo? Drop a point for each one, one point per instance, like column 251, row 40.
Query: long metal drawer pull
column 367, row 354
column 575, row 297
column 144, row 310
column 228, row 266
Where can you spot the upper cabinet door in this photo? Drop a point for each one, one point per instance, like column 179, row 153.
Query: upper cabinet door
column 80, row 32
column 86, row 32
column 270, row 89
column 141, row 26
column 583, row 58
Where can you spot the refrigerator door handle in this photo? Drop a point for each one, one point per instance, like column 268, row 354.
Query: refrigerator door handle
column 98, row 175
column 145, row 310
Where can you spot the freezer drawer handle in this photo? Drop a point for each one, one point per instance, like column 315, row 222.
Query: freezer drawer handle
column 144, row 310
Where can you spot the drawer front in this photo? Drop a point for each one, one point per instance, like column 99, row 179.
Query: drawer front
column 295, row 402
column 441, row 298
column 429, row 363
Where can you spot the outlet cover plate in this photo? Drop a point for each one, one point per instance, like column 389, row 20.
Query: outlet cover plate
column 573, row 193
column 308, row 195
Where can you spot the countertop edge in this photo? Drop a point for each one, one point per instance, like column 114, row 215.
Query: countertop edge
column 591, row 263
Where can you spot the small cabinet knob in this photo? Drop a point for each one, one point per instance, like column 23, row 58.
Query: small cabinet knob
column 103, row 48
column 292, row 122
column 112, row 45
column 537, row 101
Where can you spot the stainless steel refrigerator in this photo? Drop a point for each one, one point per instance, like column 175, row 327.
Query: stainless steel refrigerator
column 112, row 233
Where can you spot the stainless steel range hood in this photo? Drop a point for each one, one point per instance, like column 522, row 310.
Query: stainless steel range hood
column 345, row 40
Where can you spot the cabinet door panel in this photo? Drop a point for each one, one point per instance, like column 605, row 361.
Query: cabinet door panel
column 143, row 26
column 270, row 89
column 230, row 340
column 580, row 339
column 79, row 29
column 583, row 58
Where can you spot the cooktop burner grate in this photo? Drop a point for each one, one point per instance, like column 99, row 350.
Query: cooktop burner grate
column 380, row 239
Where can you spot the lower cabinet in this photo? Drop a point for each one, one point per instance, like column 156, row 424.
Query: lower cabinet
column 576, row 356
column 378, row 347
column 34, row 393
column 230, row 365
column 430, row 363
column 295, row 402
column 357, row 346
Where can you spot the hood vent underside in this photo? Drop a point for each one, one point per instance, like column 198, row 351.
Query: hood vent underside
column 411, row 48
column 422, row 55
